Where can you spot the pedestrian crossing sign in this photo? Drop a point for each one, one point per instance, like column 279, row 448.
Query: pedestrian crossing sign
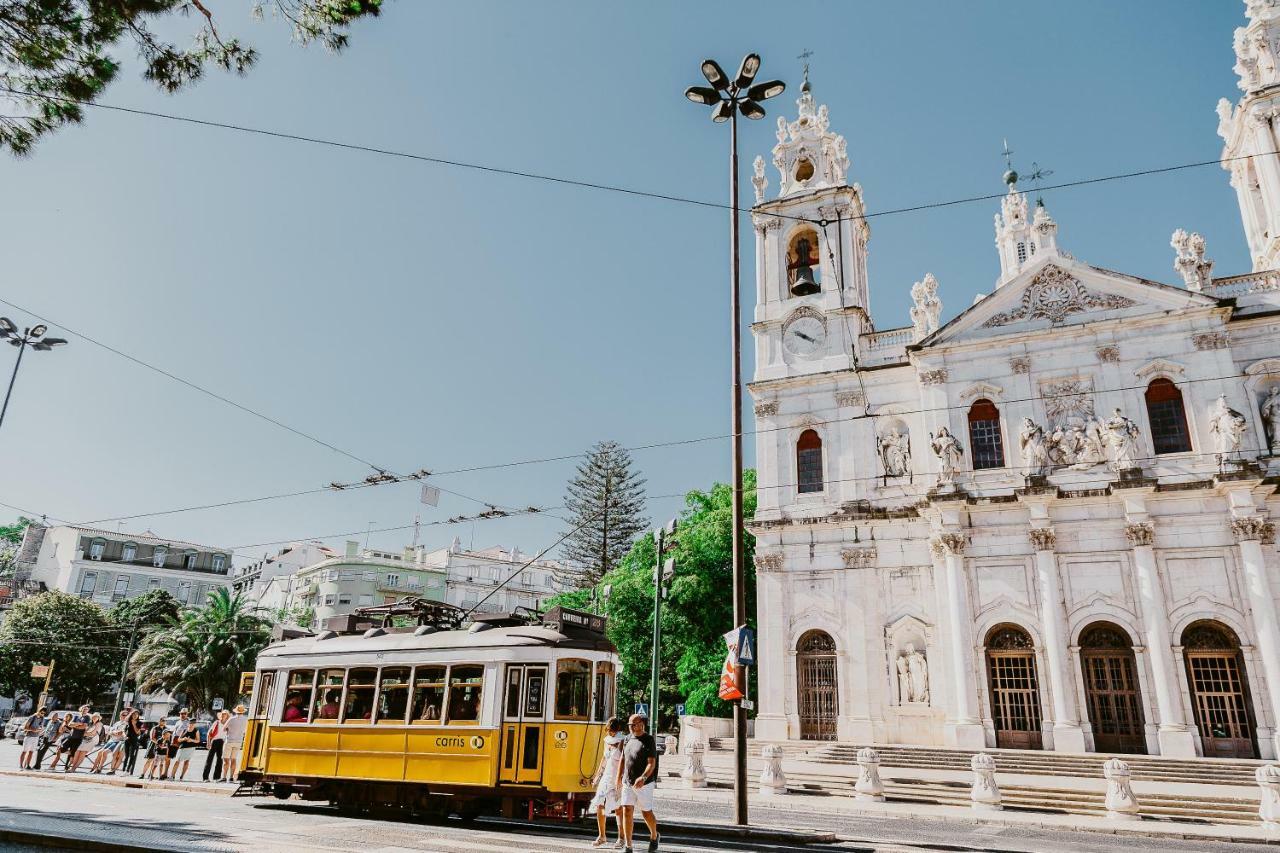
column 642, row 709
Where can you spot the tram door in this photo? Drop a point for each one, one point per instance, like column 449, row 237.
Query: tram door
column 255, row 748
column 523, row 711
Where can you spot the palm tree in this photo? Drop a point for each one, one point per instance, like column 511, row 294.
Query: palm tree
column 203, row 651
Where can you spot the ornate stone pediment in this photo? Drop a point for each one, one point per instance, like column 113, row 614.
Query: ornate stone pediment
column 1054, row 294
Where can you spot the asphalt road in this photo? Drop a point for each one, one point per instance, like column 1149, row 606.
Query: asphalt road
column 195, row 821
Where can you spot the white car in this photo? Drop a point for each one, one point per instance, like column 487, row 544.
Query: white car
column 14, row 726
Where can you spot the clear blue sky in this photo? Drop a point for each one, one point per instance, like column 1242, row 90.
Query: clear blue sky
column 427, row 316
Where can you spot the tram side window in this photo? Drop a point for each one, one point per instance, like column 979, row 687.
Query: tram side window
column 298, row 696
column 573, row 689
column 361, row 685
column 393, row 695
column 465, row 683
column 428, row 694
column 328, row 700
column 604, row 692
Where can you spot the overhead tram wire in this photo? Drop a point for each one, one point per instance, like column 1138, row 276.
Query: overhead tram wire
column 674, row 443
column 556, row 179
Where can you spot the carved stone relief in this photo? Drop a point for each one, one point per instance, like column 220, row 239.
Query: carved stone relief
column 859, row 558
column 768, row 561
column 1109, row 354
column 933, row 377
column 1054, row 294
column 1251, row 528
column 1140, row 534
column 850, row 398
column 1210, row 340
column 1042, row 538
column 766, row 409
column 1020, row 364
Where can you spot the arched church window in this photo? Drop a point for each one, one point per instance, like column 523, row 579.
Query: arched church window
column 1168, row 418
column 984, row 435
column 809, row 462
column 1031, row 248
column 803, row 261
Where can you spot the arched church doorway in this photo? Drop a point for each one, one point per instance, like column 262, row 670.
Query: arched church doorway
column 1111, row 689
column 1015, row 690
column 816, row 686
column 1219, row 692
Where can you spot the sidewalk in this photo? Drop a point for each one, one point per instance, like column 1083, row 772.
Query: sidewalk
column 811, row 805
column 124, row 781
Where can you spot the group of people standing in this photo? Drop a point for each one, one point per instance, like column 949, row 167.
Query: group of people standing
column 625, row 782
column 77, row 737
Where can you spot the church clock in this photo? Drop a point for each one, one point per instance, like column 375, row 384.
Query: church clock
column 805, row 336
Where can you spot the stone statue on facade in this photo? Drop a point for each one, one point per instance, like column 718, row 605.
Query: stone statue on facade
column 918, row 669
column 904, row 680
column 1060, row 446
column 895, row 453
column 758, row 180
column 1035, row 456
column 927, row 309
column 949, row 452
column 1092, row 448
column 1122, row 436
column 1227, row 427
column 1270, row 412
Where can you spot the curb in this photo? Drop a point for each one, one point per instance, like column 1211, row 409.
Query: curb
column 118, row 781
column 75, row 842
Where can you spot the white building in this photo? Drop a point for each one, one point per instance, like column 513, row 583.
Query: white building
column 473, row 577
column 253, row 580
column 1094, row 567
column 107, row 567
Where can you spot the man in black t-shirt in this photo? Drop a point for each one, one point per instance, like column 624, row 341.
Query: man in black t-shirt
column 637, row 777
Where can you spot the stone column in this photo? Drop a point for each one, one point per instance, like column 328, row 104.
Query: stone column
column 966, row 727
column 1251, row 534
column 1173, row 736
column 1067, row 734
column 1268, row 172
column 771, row 645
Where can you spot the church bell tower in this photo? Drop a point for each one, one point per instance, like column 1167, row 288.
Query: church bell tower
column 811, row 250
column 1249, row 131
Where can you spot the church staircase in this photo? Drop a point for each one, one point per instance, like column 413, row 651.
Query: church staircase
column 1146, row 768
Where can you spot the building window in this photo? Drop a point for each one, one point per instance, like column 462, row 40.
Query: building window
column 370, row 577
column 189, row 560
column 329, row 600
column 96, row 547
column 344, row 599
column 393, row 580
column 122, row 588
column 158, row 556
column 219, row 562
column 153, row 583
column 1022, row 253
column 984, row 435
column 414, row 581
column 365, row 599
column 809, row 462
column 1168, row 418
column 87, row 583
column 345, row 575
column 129, row 553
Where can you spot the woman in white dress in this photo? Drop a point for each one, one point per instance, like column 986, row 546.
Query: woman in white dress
column 605, row 801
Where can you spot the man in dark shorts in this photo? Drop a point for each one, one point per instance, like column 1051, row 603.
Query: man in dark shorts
column 78, row 725
column 637, row 778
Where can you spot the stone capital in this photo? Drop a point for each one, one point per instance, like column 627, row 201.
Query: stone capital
column 1042, row 538
column 1252, row 529
column 768, row 561
column 1140, row 534
column 948, row 544
column 858, row 558
column 766, row 409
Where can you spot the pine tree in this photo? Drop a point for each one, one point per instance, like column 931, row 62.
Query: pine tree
column 606, row 499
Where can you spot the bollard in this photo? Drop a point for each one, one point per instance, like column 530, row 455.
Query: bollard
column 694, row 774
column 772, row 780
column 869, row 787
column 1268, row 776
column 1121, row 804
column 986, row 793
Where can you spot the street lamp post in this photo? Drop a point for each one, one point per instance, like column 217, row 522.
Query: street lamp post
column 727, row 98
column 663, row 572
column 32, row 337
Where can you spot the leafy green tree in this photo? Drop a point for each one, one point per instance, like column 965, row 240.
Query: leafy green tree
column 153, row 609
column 10, row 539
column 56, row 55
column 202, row 651
column 72, row 631
column 605, row 500
column 695, row 616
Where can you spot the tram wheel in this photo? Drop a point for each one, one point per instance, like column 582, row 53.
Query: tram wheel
column 282, row 792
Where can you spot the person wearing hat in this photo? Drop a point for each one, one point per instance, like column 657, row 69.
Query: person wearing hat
column 235, row 728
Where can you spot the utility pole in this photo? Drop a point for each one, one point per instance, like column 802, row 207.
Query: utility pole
column 662, row 572
column 124, row 669
column 48, row 679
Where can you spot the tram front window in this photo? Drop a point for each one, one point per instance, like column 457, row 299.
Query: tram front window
column 465, row 683
column 298, row 696
column 604, row 692
column 328, row 695
column 393, row 695
column 361, row 684
column 573, row 689
column 428, row 694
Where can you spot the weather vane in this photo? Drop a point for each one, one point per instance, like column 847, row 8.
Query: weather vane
column 804, row 57
column 1036, row 176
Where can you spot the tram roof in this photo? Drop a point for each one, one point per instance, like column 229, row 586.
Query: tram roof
column 522, row 635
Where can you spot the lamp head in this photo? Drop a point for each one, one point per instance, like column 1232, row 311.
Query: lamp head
column 767, row 90
column 7, row 327
column 39, row 330
column 715, row 74
column 752, row 110
column 704, row 95
column 722, row 112
column 747, row 70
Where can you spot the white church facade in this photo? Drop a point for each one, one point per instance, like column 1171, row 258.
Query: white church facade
column 1045, row 524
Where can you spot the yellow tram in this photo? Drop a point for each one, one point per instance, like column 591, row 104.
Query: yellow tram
column 507, row 715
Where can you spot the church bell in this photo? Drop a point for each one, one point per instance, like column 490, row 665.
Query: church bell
column 804, row 285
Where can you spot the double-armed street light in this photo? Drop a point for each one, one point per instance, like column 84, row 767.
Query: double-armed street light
column 33, row 337
column 727, row 98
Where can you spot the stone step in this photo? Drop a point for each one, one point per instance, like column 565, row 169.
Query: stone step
column 1145, row 768
column 1221, row 810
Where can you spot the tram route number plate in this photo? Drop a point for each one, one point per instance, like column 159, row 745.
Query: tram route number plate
column 562, row 739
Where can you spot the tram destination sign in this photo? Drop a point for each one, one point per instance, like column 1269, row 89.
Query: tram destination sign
column 562, row 617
